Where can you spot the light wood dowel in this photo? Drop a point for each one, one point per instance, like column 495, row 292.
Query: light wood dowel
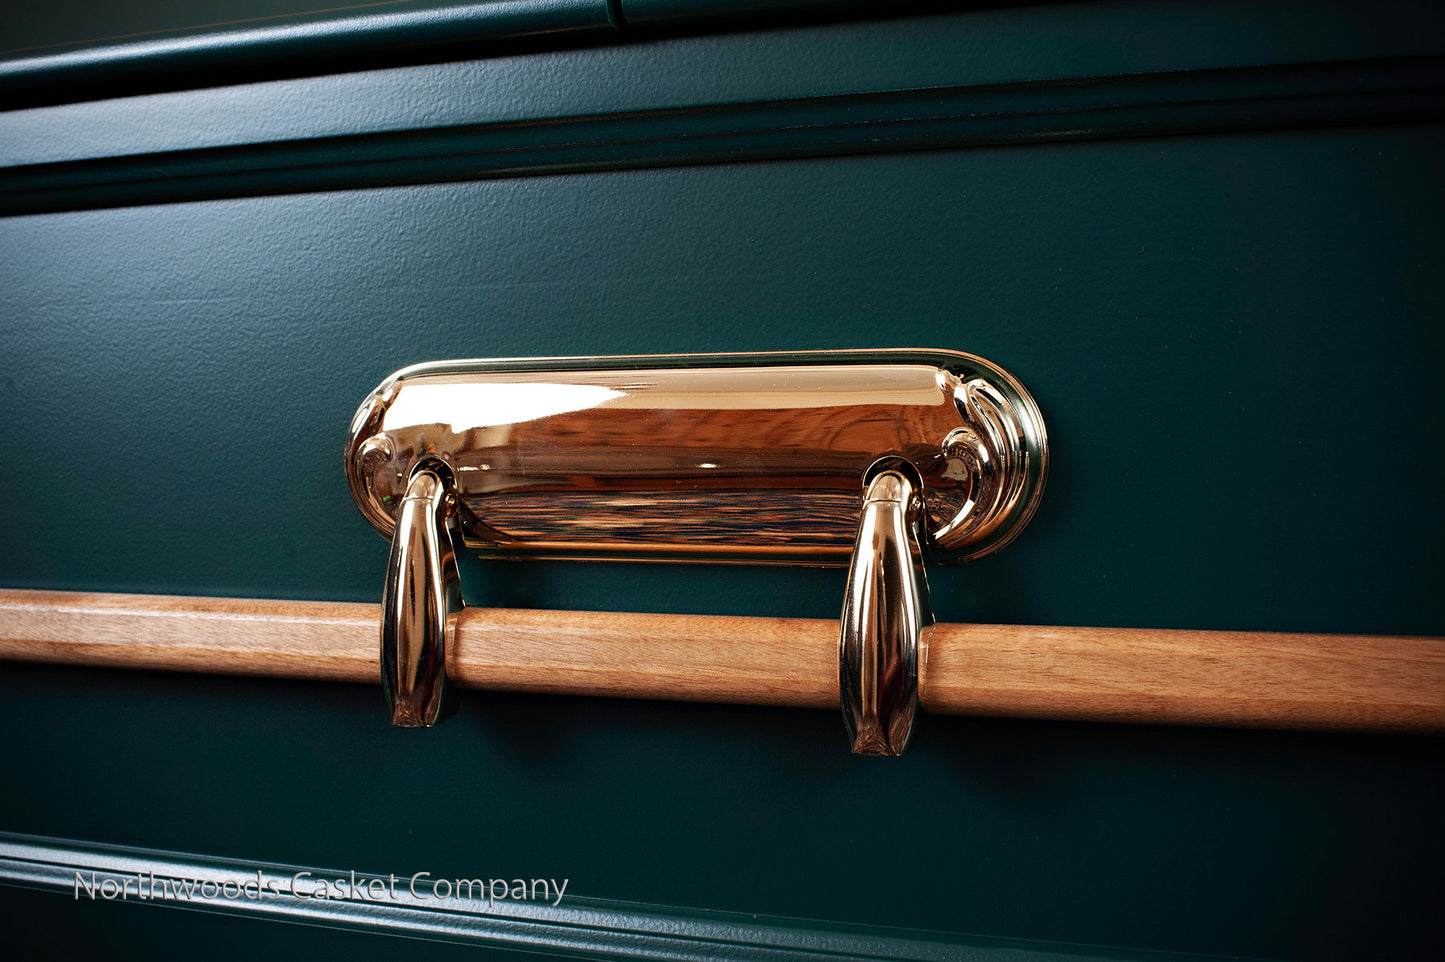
column 1255, row 679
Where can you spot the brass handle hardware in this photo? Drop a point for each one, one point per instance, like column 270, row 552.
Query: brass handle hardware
column 753, row 458
column 420, row 603
column 886, row 619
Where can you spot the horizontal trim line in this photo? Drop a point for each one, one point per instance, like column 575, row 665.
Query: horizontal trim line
column 590, row 928
column 1278, row 97
column 298, row 47
column 305, row 45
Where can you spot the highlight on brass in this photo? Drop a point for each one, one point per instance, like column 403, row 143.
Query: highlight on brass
column 749, row 458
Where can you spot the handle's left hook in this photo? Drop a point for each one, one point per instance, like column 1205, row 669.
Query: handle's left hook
column 420, row 606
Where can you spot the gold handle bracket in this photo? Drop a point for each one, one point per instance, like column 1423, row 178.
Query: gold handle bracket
column 886, row 619
column 419, row 606
column 752, row 458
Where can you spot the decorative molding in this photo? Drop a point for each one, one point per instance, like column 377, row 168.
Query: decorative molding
column 395, row 34
column 575, row 926
column 275, row 48
column 1275, row 97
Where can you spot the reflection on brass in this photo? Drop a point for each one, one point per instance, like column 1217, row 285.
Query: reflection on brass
column 744, row 457
column 419, row 607
column 885, row 620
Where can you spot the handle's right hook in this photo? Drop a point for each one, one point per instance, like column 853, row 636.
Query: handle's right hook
column 886, row 619
column 420, row 604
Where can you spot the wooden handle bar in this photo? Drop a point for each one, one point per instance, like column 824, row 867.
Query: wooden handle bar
column 1250, row 679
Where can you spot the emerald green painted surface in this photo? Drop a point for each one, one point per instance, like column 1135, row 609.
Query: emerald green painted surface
column 1218, row 352
column 1234, row 340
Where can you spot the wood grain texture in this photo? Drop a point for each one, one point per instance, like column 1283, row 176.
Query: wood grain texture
column 1248, row 679
column 294, row 639
column 1228, row 678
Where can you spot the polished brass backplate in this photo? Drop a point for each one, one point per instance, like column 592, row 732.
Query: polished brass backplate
column 728, row 457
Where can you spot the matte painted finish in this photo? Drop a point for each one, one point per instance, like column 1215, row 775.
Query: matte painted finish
column 1122, row 305
column 1267, row 844
column 1234, row 340
column 1173, row 313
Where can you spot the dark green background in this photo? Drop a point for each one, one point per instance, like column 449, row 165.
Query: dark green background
column 1235, row 341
